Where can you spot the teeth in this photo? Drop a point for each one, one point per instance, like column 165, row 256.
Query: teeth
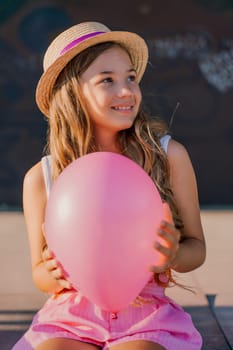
column 123, row 108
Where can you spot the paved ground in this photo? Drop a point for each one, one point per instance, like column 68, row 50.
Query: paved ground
column 211, row 306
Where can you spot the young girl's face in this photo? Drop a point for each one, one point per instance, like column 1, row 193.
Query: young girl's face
column 110, row 92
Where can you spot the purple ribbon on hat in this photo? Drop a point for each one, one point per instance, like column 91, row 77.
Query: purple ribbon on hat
column 78, row 40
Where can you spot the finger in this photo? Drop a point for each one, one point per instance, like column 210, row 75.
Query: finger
column 169, row 254
column 65, row 284
column 51, row 264
column 172, row 238
column 167, row 213
column 159, row 269
column 57, row 273
column 166, row 226
column 47, row 254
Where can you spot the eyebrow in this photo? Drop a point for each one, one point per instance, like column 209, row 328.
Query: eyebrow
column 111, row 72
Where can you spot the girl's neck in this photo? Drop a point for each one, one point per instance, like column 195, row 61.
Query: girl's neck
column 108, row 148
column 107, row 143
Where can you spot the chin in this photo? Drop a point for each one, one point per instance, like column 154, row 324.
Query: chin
column 128, row 123
column 125, row 126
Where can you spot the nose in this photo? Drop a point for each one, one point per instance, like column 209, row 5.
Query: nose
column 124, row 90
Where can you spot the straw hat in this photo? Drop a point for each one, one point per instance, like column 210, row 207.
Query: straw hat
column 76, row 39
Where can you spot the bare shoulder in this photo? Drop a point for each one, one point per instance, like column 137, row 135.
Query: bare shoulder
column 182, row 174
column 34, row 175
column 34, row 180
column 178, row 156
column 176, row 149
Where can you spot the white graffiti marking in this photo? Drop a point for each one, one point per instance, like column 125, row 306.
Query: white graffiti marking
column 217, row 68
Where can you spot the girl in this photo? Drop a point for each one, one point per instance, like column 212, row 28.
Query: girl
column 90, row 93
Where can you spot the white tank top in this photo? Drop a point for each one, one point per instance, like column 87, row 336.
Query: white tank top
column 164, row 141
column 46, row 168
column 46, row 164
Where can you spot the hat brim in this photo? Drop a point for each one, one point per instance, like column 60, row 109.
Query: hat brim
column 131, row 41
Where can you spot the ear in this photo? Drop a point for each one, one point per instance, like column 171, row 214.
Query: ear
column 167, row 213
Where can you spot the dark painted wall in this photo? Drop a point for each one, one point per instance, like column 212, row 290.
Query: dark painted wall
column 191, row 63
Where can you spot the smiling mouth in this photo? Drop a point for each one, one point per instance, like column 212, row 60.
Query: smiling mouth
column 122, row 108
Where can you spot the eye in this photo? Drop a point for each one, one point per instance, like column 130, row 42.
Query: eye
column 107, row 80
column 132, row 77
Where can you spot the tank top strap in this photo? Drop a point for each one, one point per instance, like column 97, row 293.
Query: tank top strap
column 46, row 168
column 164, row 141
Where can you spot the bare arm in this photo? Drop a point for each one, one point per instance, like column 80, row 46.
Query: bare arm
column 191, row 251
column 184, row 250
column 34, row 203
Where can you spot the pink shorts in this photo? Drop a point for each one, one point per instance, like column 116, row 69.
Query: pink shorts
column 71, row 315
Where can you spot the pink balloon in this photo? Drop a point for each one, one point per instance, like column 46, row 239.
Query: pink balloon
column 101, row 222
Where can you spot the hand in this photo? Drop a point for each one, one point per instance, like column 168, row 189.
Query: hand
column 54, row 268
column 167, row 243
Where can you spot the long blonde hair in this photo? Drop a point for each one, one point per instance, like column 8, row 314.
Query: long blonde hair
column 70, row 131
